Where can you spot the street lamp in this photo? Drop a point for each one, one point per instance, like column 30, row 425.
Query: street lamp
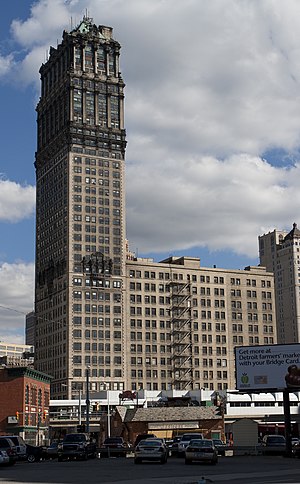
column 137, row 395
column 87, row 400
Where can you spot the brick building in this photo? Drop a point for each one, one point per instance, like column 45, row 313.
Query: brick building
column 24, row 403
column 167, row 422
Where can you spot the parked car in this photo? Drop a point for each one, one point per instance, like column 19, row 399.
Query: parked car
column 152, row 450
column 115, row 446
column 174, row 448
column 220, row 446
column 202, row 450
column 4, row 459
column 51, row 452
column 10, row 448
column 273, row 444
column 20, row 446
column 185, row 440
column 76, row 446
column 143, row 437
column 35, row 453
column 296, row 448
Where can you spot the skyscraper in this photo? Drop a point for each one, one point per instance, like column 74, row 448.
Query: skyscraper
column 279, row 252
column 80, row 210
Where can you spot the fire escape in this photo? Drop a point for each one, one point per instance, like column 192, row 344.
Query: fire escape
column 181, row 334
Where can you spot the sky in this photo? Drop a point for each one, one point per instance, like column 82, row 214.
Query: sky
column 212, row 112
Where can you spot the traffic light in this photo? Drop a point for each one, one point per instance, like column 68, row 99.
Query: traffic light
column 17, row 416
column 44, row 415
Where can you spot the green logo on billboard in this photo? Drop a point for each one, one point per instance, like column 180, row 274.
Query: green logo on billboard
column 245, row 378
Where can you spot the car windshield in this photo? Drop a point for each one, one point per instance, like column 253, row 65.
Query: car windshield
column 276, row 440
column 74, row 438
column 185, row 438
column 112, row 440
column 150, row 443
column 218, row 442
column 201, row 443
column 14, row 440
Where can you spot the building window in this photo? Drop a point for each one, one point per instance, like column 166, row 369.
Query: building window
column 27, row 394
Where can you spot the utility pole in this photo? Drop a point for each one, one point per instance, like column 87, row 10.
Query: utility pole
column 79, row 409
column 87, row 400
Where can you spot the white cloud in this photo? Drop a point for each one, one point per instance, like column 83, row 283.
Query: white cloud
column 16, row 299
column 208, row 202
column 6, row 64
column 16, row 202
column 211, row 86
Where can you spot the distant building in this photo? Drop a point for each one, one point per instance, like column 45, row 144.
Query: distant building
column 15, row 349
column 279, row 252
column 27, row 359
column 24, row 403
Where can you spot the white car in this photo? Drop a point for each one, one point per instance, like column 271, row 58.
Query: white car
column 151, row 449
column 202, row 450
column 4, row 459
column 185, row 440
column 20, row 445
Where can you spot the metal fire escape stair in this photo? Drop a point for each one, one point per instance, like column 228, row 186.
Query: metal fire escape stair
column 181, row 334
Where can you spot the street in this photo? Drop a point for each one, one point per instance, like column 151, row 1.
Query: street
column 245, row 469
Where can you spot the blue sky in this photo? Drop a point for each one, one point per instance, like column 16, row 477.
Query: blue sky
column 212, row 119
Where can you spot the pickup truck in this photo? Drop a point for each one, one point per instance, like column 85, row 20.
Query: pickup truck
column 76, row 446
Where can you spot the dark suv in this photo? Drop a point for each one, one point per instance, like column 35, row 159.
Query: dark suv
column 8, row 445
column 115, row 446
column 76, row 446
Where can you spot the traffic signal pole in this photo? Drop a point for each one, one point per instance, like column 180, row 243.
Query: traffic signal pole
column 287, row 421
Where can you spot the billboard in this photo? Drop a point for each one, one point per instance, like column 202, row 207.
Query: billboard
column 264, row 368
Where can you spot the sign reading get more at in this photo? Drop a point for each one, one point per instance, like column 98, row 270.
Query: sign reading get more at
column 275, row 367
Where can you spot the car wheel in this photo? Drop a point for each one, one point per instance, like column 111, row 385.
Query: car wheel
column 163, row 460
column 137, row 461
column 31, row 458
column 188, row 461
column 60, row 459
